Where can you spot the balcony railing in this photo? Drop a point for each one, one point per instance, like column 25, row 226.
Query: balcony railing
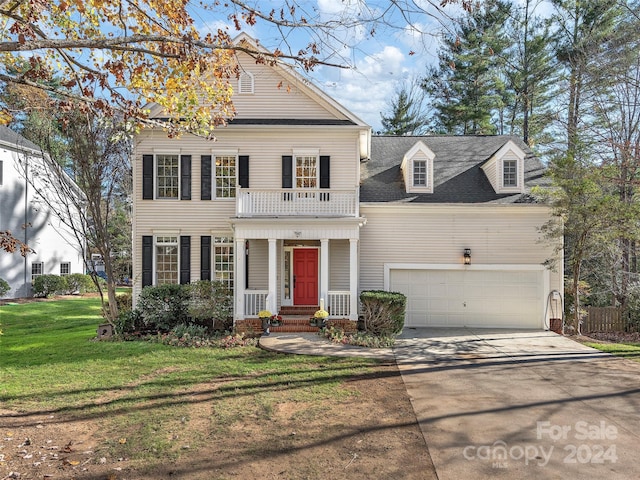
column 252, row 202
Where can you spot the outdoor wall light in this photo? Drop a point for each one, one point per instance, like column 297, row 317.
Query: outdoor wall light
column 467, row 256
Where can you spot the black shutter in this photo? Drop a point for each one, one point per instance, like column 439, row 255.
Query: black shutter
column 147, row 177
column 243, row 171
column 147, row 260
column 287, row 171
column 324, row 171
column 205, row 177
column 185, row 177
column 185, row 259
column 205, row 258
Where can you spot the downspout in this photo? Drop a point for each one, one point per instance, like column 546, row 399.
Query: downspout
column 26, row 219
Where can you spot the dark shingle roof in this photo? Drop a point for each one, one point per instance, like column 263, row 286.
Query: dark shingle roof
column 458, row 177
column 9, row 136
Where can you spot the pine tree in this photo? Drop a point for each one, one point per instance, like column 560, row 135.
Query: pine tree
column 467, row 89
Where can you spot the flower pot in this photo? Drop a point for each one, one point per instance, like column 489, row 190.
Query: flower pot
column 265, row 322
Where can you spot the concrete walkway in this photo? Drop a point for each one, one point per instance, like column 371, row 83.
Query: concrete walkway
column 499, row 404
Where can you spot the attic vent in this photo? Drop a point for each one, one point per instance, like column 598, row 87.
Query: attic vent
column 245, row 83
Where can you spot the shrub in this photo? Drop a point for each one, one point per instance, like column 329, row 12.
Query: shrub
column 4, row 287
column 47, row 285
column 361, row 339
column 79, row 283
column 162, row 307
column 128, row 322
column 125, row 302
column 383, row 312
column 211, row 303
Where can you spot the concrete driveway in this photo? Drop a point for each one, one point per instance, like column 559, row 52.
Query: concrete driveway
column 521, row 405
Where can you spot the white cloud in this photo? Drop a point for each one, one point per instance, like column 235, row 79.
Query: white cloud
column 366, row 89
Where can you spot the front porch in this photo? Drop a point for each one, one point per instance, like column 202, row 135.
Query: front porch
column 296, row 262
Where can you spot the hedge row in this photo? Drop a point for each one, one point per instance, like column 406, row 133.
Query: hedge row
column 160, row 308
column 49, row 284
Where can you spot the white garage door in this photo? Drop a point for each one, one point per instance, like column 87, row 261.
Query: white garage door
column 477, row 298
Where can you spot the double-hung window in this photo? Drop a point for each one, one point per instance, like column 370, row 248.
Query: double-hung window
column 65, row 268
column 419, row 173
column 225, row 176
column 510, row 173
column 167, row 176
column 166, row 259
column 37, row 269
column 306, row 171
column 223, row 260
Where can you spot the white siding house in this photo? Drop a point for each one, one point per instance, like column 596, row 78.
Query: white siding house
column 30, row 219
column 296, row 204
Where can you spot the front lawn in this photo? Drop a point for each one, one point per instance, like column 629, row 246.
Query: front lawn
column 80, row 405
column 626, row 350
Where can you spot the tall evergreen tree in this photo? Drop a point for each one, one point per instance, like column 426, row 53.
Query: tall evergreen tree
column 531, row 75
column 405, row 111
column 466, row 88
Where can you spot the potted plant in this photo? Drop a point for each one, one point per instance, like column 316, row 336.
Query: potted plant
column 275, row 320
column 319, row 317
column 265, row 318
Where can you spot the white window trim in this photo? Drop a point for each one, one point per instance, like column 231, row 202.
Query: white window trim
column 155, row 175
column 222, row 153
column 407, row 168
column 155, row 254
column 230, row 243
column 244, row 91
column 305, row 152
column 502, row 162
column 65, row 263
column 42, row 271
column 494, row 168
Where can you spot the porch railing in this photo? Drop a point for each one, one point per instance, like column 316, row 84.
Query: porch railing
column 254, row 301
column 252, row 202
column 339, row 303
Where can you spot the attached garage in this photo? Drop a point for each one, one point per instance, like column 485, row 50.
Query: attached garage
column 502, row 296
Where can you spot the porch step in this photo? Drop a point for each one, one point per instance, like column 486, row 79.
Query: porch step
column 307, row 310
column 290, row 324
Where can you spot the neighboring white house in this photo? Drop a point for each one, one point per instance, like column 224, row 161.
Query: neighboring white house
column 296, row 203
column 30, row 219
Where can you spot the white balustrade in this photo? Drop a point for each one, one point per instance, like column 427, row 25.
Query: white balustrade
column 339, row 303
column 252, row 202
column 254, row 301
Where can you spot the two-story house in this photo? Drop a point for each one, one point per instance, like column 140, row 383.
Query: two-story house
column 30, row 218
column 292, row 207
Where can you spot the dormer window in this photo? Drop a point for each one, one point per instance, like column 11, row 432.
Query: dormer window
column 245, row 83
column 417, row 169
column 509, row 173
column 420, row 173
column 505, row 169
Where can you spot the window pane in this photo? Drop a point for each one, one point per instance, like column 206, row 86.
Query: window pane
column 37, row 269
column 223, row 260
column 167, row 179
column 166, row 260
column 65, row 268
column 225, row 176
column 419, row 173
column 306, row 172
column 509, row 173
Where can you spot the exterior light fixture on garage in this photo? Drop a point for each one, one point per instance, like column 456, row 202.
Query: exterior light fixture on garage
column 467, row 256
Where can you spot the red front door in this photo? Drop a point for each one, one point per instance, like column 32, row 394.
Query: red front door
column 305, row 276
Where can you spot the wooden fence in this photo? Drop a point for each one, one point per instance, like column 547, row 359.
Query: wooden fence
column 604, row 319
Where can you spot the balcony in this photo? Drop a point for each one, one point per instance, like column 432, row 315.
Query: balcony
column 287, row 202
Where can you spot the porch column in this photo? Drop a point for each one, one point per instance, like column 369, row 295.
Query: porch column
column 353, row 278
column 272, row 304
column 324, row 271
column 239, row 282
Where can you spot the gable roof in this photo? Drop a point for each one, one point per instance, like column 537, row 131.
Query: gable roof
column 339, row 115
column 458, row 176
column 14, row 140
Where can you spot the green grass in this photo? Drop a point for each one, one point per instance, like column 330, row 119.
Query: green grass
column 51, row 363
column 626, row 350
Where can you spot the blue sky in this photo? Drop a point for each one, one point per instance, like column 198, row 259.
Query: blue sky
column 401, row 48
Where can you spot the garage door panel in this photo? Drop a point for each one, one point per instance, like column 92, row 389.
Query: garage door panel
column 490, row 298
